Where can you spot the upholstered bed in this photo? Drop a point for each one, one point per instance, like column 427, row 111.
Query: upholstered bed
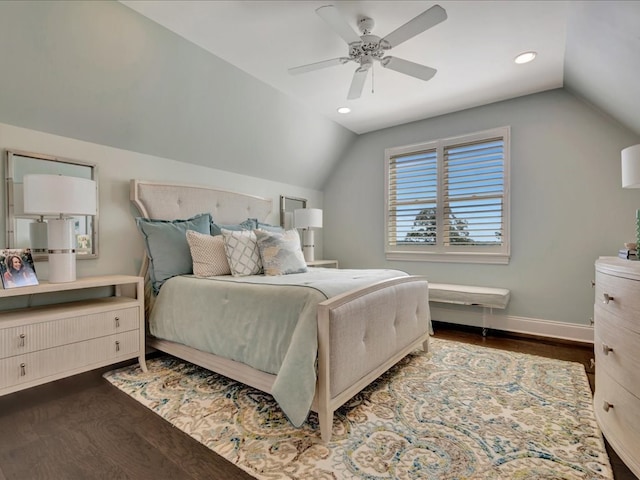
column 357, row 323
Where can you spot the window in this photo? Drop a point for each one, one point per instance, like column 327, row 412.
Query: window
column 448, row 200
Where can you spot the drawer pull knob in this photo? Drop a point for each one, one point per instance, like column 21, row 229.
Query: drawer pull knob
column 593, row 283
column 117, row 346
column 606, row 349
column 607, row 298
column 592, row 363
column 591, row 322
column 606, row 406
column 117, row 320
column 23, row 369
column 21, row 340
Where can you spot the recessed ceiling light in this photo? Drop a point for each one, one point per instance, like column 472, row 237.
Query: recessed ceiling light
column 525, row 57
column 344, row 110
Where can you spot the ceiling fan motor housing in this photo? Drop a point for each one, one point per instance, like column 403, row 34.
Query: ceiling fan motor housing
column 369, row 46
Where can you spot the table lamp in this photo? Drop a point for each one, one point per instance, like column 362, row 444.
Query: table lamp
column 61, row 196
column 631, row 176
column 307, row 219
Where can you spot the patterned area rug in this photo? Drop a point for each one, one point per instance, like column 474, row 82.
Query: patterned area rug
column 459, row 411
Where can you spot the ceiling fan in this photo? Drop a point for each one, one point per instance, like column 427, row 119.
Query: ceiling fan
column 366, row 48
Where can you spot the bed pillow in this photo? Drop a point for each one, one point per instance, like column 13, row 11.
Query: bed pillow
column 280, row 252
column 242, row 252
column 267, row 227
column 167, row 247
column 248, row 224
column 208, row 254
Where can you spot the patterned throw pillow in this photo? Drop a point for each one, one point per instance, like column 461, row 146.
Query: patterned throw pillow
column 208, row 255
column 242, row 252
column 280, row 252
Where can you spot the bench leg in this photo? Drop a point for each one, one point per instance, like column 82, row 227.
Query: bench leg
column 485, row 320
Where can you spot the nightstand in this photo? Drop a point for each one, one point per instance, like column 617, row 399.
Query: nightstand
column 323, row 263
column 41, row 343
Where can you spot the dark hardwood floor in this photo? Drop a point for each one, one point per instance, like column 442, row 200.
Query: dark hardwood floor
column 83, row 428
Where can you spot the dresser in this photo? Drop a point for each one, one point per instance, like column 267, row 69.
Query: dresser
column 42, row 340
column 616, row 400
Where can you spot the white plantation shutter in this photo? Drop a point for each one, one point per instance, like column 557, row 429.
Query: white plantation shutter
column 413, row 181
column 448, row 200
column 473, row 193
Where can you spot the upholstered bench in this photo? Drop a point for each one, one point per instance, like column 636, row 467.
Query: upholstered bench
column 486, row 297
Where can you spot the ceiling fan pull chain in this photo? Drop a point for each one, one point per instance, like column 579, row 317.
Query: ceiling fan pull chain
column 372, row 78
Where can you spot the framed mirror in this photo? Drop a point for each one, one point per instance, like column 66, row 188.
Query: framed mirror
column 287, row 206
column 29, row 231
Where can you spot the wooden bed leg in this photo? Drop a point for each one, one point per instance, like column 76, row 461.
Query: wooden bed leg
column 425, row 345
column 326, row 425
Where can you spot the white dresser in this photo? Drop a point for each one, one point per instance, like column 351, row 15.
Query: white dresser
column 39, row 344
column 617, row 350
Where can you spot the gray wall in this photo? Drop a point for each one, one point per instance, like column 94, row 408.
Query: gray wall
column 567, row 203
column 100, row 72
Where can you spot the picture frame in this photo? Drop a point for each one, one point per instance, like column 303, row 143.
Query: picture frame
column 17, row 268
column 83, row 244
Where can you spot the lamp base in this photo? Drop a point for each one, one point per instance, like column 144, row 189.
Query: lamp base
column 62, row 267
column 61, row 248
column 308, row 245
column 38, row 237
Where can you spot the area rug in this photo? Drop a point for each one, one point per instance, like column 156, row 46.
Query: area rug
column 458, row 412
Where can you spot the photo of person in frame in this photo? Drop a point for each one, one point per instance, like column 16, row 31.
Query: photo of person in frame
column 16, row 268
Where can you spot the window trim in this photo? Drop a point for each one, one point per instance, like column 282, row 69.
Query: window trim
column 499, row 254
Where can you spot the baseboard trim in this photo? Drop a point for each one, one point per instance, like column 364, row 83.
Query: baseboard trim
column 529, row 326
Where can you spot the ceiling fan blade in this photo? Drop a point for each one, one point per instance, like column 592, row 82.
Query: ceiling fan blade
column 318, row 65
column 357, row 84
column 419, row 24
column 408, row 68
column 336, row 21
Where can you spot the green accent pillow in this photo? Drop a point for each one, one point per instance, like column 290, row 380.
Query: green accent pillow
column 269, row 228
column 167, row 246
column 248, row 224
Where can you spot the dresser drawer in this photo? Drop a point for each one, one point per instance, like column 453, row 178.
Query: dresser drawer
column 619, row 295
column 34, row 366
column 23, row 339
column 616, row 349
column 620, row 424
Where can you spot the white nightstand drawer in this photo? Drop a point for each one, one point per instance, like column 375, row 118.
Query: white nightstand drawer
column 35, row 366
column 323, row 263
column 37, row 336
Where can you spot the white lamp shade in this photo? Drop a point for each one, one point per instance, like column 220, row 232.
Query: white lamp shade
column 59, row 194
column 307, row 218
column 631, row 167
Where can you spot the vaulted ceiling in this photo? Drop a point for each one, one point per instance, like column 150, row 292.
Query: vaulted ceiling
column 590, row 47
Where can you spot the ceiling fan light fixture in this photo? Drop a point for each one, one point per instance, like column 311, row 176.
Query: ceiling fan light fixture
column 525, row 57
column 344, row 110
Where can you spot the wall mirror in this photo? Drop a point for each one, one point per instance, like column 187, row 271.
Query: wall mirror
column 22, row 230
column 287, row 206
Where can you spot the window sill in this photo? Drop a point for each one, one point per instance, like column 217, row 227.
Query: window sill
column 453, row 257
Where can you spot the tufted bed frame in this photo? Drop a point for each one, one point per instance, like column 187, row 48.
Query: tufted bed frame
column 361, row 333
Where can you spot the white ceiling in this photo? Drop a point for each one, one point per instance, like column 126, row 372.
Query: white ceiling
column 473, row 51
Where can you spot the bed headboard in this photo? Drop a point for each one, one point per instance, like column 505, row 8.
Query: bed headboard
column 170, row 201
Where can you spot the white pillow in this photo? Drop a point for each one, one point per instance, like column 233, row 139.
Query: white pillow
column 242, row 252
column 280, row 252
column 208, row 255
